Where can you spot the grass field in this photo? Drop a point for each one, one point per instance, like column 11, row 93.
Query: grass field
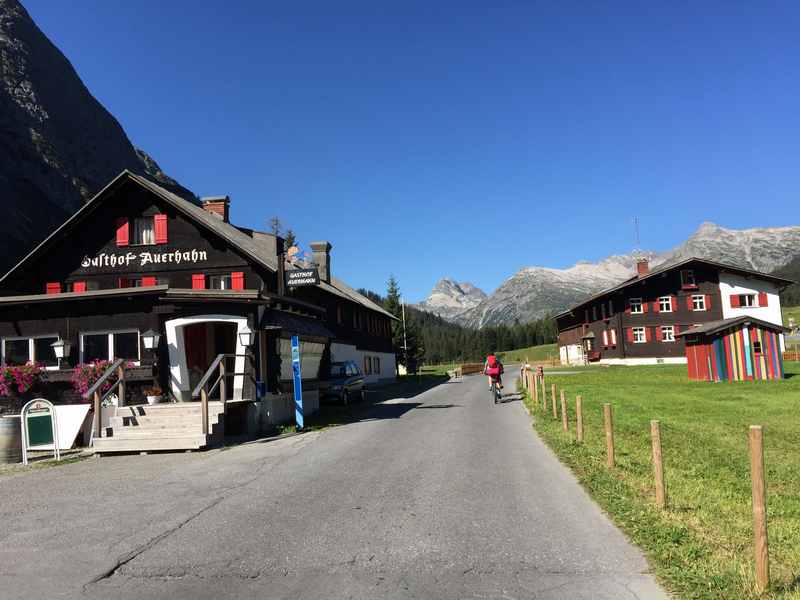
column 533, row 353
column 791, row 311
column 701, row 546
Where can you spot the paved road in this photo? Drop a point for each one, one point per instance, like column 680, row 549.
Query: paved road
column 438, row 496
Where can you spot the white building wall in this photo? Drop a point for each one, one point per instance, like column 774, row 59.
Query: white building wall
column 571, row 354
column 343, row 352
column 732, row 285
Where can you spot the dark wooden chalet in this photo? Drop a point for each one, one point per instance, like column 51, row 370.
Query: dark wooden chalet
column 639, row 321
column 139, row 258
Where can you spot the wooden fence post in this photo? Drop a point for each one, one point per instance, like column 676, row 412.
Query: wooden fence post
column 609, row 421
column 564, row 417
column 658, row 465
column 579, row 419
column 535, row 393
column 759, row 506
column 544, row 395
column 553, row 400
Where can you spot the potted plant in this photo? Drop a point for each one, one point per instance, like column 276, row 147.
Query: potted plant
column 154, row 394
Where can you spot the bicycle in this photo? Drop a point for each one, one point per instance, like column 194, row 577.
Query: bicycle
column 495, row 391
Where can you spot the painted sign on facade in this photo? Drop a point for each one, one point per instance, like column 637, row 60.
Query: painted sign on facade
column 142, row 259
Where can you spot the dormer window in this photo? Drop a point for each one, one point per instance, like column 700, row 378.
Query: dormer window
column 687, row 279
column 142, row 231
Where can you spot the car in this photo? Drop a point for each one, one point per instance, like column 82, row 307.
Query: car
column 345, row 382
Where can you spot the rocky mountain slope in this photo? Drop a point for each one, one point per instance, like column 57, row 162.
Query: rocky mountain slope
column 535, row 292
column 58, row 145
column 450, row 299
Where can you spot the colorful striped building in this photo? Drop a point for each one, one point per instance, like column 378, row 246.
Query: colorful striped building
column 738, row 349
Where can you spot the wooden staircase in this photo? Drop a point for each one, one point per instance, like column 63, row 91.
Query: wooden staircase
column 150, row 428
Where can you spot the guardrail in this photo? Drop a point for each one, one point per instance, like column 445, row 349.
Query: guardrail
column 118, row 367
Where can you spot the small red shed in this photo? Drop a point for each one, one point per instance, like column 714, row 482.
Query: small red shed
column 738, row 349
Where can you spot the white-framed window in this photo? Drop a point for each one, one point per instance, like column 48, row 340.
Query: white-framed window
column 665, row 304
column 36, row 349
column 698, row 302
column 667, row 333
column 747, row 300
column 144, row 233
column 109, row 345
column 636, row 306
column 605, row 338
column 687, row 278
column 639, row 335
column 613, row 337
column 219, row 282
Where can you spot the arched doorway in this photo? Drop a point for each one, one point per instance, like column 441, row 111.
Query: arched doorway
column 194, row 342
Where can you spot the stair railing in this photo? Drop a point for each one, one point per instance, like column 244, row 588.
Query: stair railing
column 118, row 367
column 204, row 391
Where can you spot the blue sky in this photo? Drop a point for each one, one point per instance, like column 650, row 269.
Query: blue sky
column 465, row 139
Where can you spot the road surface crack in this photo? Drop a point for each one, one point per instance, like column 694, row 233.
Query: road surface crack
column 126, row 558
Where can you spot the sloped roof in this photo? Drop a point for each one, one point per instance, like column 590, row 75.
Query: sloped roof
column 723, row 324
column 781, row 281
column 256, row 247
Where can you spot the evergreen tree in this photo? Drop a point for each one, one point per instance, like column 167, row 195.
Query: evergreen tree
column 290, row 238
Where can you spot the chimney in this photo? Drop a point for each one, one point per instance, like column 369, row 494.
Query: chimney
column 217, row 205
column 642, row 267
column 322, row 257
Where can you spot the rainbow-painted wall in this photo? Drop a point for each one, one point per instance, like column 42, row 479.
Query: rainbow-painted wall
column 731, row 355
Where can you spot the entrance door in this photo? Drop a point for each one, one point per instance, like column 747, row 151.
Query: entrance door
column 195, row 340
column 203, row 343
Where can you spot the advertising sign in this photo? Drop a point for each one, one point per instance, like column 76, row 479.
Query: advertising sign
column 39, row 428
column 301, row 277
column 298, row 383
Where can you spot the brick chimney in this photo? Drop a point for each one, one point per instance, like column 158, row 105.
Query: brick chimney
column 642, row 267
column 217, row 205
column 321, row 252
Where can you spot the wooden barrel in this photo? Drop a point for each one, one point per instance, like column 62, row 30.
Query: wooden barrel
column 10, row 440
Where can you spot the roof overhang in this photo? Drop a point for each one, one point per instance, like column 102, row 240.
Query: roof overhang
column 717, row 326
column 83, row 296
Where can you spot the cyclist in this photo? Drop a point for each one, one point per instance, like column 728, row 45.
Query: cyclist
column 493, row 369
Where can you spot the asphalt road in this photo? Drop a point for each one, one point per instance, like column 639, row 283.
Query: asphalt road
column 438, row 496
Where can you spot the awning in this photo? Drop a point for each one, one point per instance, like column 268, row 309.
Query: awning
column 294, row 324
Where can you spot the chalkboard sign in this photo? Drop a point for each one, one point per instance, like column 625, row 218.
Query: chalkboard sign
column 39, row 428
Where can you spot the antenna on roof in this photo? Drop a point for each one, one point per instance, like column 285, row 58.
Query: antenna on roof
column 637, row 249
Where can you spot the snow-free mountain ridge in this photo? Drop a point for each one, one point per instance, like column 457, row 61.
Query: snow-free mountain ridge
column 535, row 292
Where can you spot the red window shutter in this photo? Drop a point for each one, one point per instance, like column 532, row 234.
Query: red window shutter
column 198, row 281
column 149, row 281
column 762, row 299
column 629, row 334
column 123, row 232
column 53, row 288
column 605, row 338
column 657, row 306
column 79, row 286
column 676, row 329
column 708, row 301
column 674, row 303
column 659, row 334
column 237, row 280
column 123, row 282
column 689, row 303
column 647, row 336
column 735, row 301
column 645, row 305
column 160, row 227
column 627, row 307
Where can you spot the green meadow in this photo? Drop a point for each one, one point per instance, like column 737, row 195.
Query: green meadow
column 701, row 546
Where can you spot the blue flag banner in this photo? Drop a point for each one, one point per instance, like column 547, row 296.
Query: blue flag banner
column 298, row 383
